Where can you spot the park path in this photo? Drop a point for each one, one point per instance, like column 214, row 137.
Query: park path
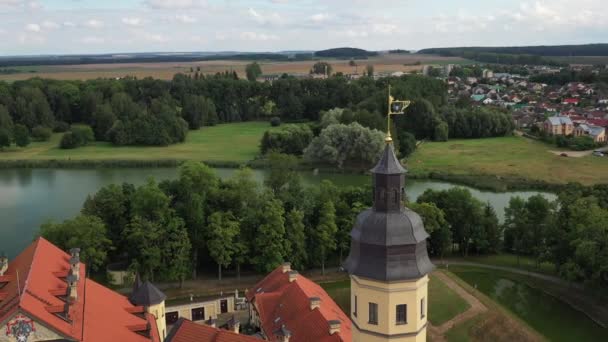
column 574, row 294
column 476, row 307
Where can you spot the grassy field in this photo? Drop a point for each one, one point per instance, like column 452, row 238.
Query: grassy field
column 382, row 63
column 444, row 304
column 510, row 260
column 507, row 157
column 237, row 142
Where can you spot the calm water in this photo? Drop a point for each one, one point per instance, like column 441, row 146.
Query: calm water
column 29, row 198
column 554, row 319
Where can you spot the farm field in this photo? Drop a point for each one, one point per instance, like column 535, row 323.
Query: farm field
column 507, row 157
column 383, row 63
column 238, row 142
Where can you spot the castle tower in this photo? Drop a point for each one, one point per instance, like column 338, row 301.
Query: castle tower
column 388, row 262
column 153, row 300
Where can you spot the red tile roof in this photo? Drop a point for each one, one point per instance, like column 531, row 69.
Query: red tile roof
column 281, row 302
column 34, row 282
column 188, row 331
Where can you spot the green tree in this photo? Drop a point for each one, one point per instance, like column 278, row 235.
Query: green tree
column 296, row 236
column 85, row 232
column 176, row 250
column 369, row 70
column 407, row 143
column 321, row 68
column 21, row 135
column 436, row 225
column 40, row 133
column 145, row 240
column 253, row 71
column 223, row 231
column 110, row 204
column 5, row 138
column 6, row 122
column 282, row 167
column 270, row 241
column 325, row 232
column 102, row 121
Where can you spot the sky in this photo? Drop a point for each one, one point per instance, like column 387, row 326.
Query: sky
column 32, row 27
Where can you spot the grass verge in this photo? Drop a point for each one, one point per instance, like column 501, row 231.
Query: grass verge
column 444, row 304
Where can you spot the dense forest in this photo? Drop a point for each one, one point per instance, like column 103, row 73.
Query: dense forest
column 170, row 230
column 556, row 50
column 345, row 52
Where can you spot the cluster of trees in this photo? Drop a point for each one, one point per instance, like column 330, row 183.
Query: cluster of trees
column 345, row 53
column 582, row 143
column 568, row 75
column 543, row 50
column 571, row 233
column 478, row 122
column 19, row 133
column 289, row 139
column 168, row 231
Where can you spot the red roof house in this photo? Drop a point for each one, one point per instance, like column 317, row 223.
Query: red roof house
column 188, row 331
column 571, row 101
column 286, row 304
column 45, row 295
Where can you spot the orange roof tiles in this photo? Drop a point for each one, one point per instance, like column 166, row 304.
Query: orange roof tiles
column 280, row 302
column 188, row 331
column 34, row 282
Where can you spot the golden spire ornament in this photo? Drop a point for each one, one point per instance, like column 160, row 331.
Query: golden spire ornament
column 395, row 107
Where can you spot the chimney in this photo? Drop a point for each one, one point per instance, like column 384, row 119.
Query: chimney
column 293, row 275
column 286, row 267
column 72, row 287
column 334, row 327
column 3, row 264
column 75, row 262
column 315, row 302
column 235, row 324
column 283, row 334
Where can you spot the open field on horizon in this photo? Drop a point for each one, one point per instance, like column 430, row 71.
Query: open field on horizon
column 238, row 142
column 593, row 60
column 166, row 70
column 507, row 157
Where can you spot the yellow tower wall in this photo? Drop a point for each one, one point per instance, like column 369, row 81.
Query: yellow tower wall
column 387, row 295
column 158, row 311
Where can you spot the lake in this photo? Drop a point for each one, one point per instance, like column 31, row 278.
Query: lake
column 549, row 316
column 30, row 197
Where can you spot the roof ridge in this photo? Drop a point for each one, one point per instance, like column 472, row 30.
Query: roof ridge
column 29, row 271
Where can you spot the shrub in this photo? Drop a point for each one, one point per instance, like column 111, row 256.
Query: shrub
column 68, row 141
column 83, row 135
column 275, row 121
column 290, row 139
column 21, row 135
column 61, row 127
column 40, row 133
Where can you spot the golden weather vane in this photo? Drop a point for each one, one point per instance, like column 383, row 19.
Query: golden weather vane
column 395, row 107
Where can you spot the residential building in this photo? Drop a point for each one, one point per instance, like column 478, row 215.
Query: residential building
column 200, row 310
column 45, row 295
column 287, row 306
column 558, row 125
column 388, row 262
column 596, row 132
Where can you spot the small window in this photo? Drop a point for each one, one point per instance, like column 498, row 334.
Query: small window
column 401, row 314
column 198, row 314
column 373, row 313
column 422, row 308
column 355, row 311
column 171, row 317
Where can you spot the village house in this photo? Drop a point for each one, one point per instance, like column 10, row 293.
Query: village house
column 558, row 125
column 598, row 134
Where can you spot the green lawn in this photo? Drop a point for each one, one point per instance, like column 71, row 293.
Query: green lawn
column 339, row 291
column 444, row 304
column 462, row 332
column 510, row 260
column 508, row 157
column 237, row 142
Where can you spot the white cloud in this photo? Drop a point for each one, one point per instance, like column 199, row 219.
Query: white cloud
column 68, row 24
column 265, row 18
column 184, row 18
column 94, row 23
column 50, row 24
column 32, row 27
column 132, row 21
column 31, row 39
column 384, row 28
column 254, row 36
column 175, row 4
column 93, row 40
column 319, row 17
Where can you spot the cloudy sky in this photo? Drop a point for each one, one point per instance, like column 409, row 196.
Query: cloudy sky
column 99, row 26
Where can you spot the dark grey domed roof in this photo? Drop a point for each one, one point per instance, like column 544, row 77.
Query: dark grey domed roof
column 388, row 241
column 146, row 294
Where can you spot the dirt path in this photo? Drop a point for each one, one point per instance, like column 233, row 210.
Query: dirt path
column 476, row 308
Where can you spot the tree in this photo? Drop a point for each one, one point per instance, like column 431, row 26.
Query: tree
column 270, row 241
column 6, row 122
column 369, row 70
column 199, row 111
column 282, row 167
column 144, row 238
column 85, row 232
column 290, row 139
column 68, row 141
column 253, row 71
column 176, row 250
column 296, row 236
column 102, row 121
column 5, row 138
column 341, row 144
column 110, row 204
column 223, row 231
column 436, row 225
column 406, row 142
column 325, row 232
column 150, row 202
column 21, row 135
column 321, row 68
